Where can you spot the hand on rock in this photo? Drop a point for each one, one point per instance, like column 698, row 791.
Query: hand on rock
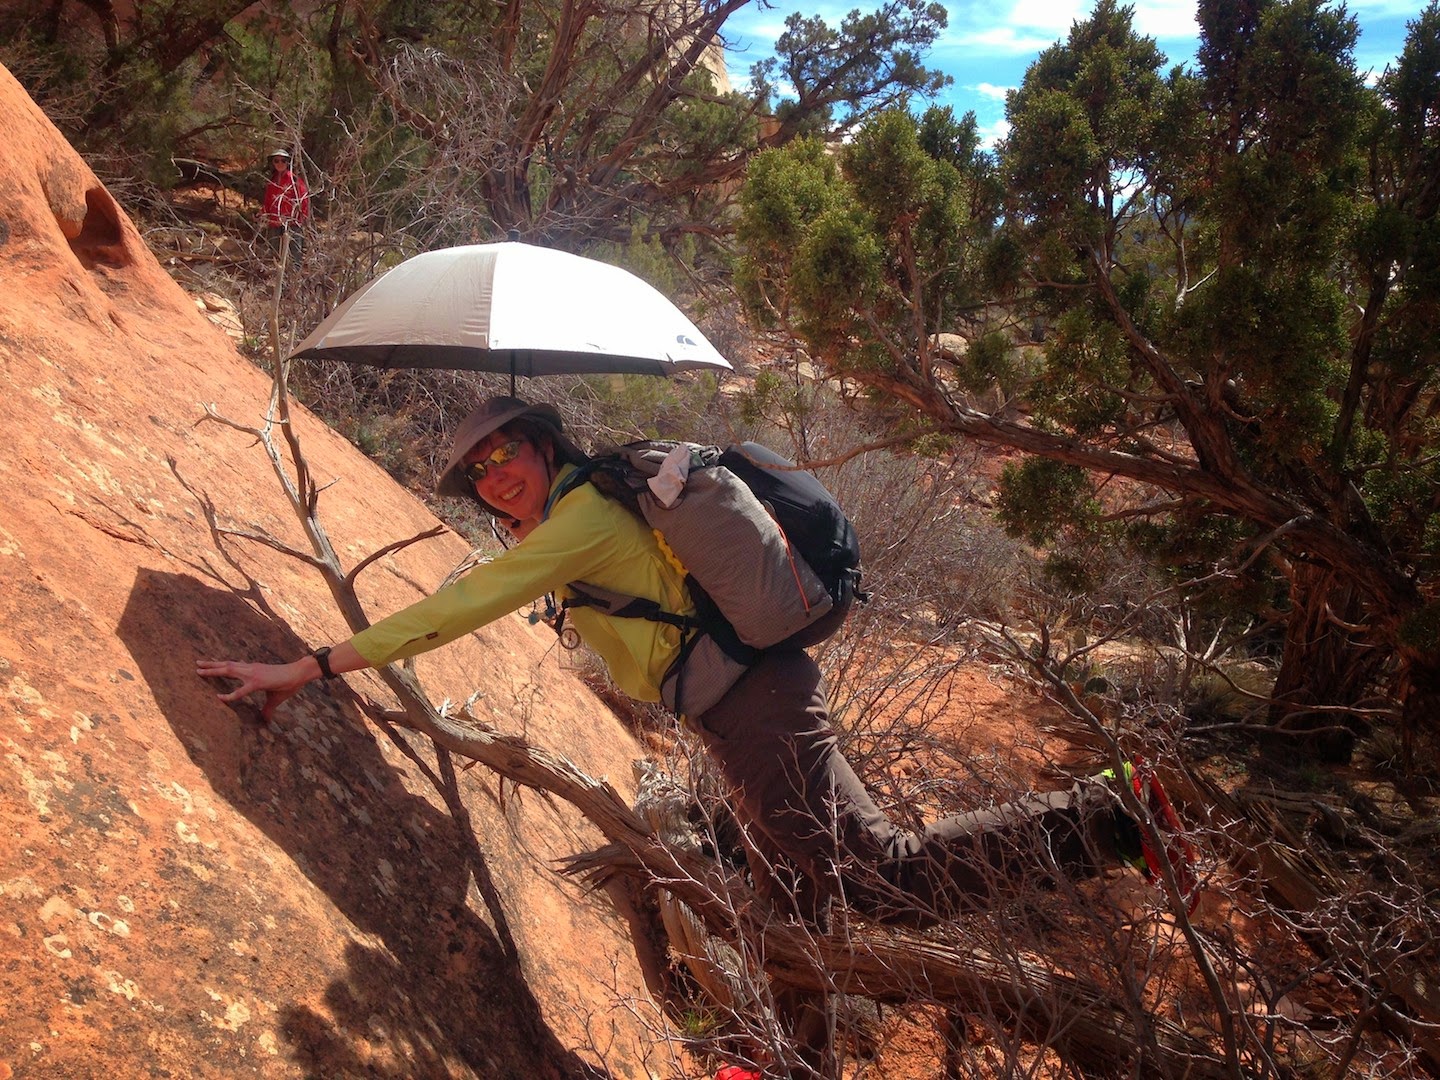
column 278, row 682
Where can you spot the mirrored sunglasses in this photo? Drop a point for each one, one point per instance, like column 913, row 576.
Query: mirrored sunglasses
column 502, row 455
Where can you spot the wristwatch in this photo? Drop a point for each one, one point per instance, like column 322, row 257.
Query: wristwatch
column 322, row 657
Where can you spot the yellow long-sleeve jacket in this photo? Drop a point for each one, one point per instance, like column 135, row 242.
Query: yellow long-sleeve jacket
column 588, row 538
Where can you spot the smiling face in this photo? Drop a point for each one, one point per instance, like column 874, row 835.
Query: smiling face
column 518, row 488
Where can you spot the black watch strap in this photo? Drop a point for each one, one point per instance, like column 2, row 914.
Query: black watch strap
column 322, row 657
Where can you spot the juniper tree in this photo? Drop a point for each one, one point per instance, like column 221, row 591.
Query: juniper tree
column 1236, row 269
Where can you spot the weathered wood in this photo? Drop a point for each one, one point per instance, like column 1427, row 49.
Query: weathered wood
column 1298, row 878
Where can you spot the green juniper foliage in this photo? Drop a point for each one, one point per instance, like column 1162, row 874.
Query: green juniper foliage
column 1235, row 270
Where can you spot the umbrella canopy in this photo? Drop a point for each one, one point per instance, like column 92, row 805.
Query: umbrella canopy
column 512, row 307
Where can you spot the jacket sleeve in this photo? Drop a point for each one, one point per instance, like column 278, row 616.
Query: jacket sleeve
column 572, row 545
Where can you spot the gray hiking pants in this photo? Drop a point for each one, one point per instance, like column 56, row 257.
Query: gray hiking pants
column 809, row 817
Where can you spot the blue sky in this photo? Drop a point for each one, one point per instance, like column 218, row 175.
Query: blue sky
column 989, row 45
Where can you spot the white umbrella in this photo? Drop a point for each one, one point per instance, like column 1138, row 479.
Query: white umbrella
column 512, row 307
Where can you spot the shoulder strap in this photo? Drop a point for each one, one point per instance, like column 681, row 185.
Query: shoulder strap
column 581, row 474
column 623, row 606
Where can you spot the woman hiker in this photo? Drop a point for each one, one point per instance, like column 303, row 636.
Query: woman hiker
column 807, row 812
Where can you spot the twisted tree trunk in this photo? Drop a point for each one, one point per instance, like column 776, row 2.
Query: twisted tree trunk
column 1326, row 662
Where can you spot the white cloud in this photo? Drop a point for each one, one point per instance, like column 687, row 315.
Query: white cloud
column 990, row 134
column 757, row 31
column 1166, row 19
column 990, row 90
column 1006, row 40
column 1025, row 27
column 1051, row 19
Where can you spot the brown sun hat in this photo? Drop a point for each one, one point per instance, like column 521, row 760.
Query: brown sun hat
column 492, row 415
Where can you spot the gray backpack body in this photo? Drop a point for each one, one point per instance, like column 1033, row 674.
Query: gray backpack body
column 770, row 558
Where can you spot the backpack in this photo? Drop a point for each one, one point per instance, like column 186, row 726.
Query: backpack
column 771, row 560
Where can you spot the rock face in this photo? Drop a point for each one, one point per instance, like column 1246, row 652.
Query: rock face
column 184, row 890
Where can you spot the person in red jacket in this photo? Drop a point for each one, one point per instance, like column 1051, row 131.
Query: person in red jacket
column 287, row 204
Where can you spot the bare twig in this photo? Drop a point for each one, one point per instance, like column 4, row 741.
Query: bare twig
column 389, row 549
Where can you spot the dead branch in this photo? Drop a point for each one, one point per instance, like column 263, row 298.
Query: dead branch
column 260, row 536
column 899, row 966
column 1292, row 872
column 1299, row 878
column 398, row 545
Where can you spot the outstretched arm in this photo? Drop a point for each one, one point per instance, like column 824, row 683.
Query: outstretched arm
column 278, row 681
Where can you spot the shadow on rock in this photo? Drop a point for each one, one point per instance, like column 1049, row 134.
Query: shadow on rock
column 430, row 988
